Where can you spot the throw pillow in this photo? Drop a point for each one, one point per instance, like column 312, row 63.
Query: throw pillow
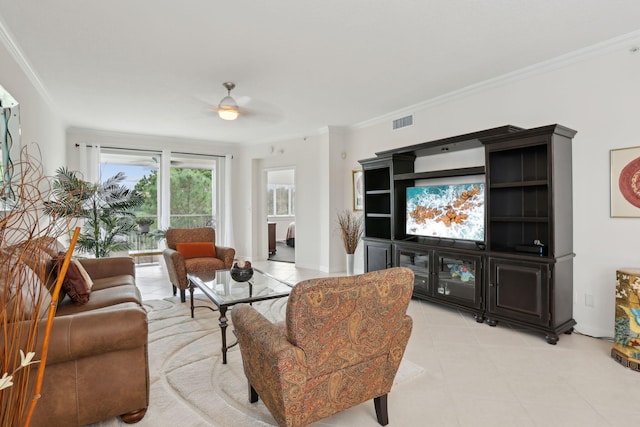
column 83, row 272
column 196, row 249
column 77, row 283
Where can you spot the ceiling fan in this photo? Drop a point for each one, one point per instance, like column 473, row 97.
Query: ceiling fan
column 228, row 108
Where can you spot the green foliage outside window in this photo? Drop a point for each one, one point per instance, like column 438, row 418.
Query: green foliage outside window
column 280, row 200
column 190, row 194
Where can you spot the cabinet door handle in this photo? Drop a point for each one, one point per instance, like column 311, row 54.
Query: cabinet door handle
column 491, row 285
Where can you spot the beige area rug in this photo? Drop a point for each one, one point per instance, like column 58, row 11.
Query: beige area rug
column 190, row 387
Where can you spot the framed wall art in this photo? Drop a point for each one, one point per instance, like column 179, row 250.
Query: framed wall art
column 625, row 182
column 358, row 196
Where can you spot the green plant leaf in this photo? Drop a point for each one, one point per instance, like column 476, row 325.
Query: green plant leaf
column 106, row 209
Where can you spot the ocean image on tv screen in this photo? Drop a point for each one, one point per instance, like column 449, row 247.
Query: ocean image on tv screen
column 446, row 211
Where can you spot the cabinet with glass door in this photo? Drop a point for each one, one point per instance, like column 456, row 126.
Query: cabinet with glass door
column 418, row 260
column 458, row 280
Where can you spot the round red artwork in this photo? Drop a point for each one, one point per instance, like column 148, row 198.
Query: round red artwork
column 629, row 182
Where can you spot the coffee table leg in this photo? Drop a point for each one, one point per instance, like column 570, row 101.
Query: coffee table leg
column 223, row 330
column 191, row 297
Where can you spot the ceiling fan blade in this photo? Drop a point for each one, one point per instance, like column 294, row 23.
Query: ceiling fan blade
column 242, row 100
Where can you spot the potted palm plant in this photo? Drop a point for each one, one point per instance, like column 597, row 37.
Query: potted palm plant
column 143, row 224
column 351, row 229
column 106, row 210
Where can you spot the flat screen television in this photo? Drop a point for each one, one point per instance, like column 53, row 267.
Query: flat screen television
column 454, row 211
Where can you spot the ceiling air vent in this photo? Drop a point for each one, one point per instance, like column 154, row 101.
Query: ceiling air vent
column 402, row 122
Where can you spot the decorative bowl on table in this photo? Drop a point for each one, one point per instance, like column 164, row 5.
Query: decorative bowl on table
column 241, row 271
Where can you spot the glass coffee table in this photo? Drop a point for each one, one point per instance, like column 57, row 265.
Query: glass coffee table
column 225, row 292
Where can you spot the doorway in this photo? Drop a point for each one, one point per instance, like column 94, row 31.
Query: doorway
column 281, row 218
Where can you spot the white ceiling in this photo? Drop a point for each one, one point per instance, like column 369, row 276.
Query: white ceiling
column 152, row 66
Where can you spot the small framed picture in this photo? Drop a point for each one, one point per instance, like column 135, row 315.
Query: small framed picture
column 358, row 195
column 625, row 182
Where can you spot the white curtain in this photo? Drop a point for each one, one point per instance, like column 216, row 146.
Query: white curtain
column 89, row 162
column 227, row 217
column 164, row 189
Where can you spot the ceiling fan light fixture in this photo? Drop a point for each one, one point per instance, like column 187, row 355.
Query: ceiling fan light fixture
column 228, row 109
column 228, row 114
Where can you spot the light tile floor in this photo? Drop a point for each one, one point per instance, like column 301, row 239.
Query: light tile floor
column 477, row 375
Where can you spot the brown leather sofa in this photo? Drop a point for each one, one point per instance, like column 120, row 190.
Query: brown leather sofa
column 97, row 365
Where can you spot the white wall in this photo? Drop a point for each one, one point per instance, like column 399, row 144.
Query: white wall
column 137, row 141
column 39, row 121
column 319, row 192
column 340, row 193
column 596, row 94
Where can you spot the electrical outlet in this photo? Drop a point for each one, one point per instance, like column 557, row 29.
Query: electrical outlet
column 588, row 300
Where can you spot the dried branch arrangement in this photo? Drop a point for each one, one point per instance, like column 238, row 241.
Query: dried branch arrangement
column 351, row 229
column 26, row 305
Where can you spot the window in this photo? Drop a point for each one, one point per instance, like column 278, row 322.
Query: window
column 193, row 192
column 192, row 197
column 281, row 193
column 141, row 170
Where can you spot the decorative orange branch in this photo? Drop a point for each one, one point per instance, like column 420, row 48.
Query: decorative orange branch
column 47, row 333
column 26, row 237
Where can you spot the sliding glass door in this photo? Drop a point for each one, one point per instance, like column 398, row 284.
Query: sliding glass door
column 187, row 199
column 193, row 191
column 141, row 169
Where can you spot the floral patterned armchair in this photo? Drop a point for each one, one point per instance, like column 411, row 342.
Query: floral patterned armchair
column 340, row 345
column 194, row 258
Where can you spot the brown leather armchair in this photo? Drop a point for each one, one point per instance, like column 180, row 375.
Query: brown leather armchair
column 340, row 345
column 178, row 265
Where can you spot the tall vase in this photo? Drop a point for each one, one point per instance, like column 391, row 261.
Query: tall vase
column 349, row 264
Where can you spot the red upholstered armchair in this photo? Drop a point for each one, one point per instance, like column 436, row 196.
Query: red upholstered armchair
column 340, row 345
column 191, row 250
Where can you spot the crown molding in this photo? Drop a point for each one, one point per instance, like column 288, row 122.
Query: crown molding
column 7, row 39
column 625, row 41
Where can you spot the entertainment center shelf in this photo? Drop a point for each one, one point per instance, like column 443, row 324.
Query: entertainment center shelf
column 519, row 184
column 521, row 270
column 440, row 174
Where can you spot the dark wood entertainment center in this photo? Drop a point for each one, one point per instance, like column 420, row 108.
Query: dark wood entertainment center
column 528, row 198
